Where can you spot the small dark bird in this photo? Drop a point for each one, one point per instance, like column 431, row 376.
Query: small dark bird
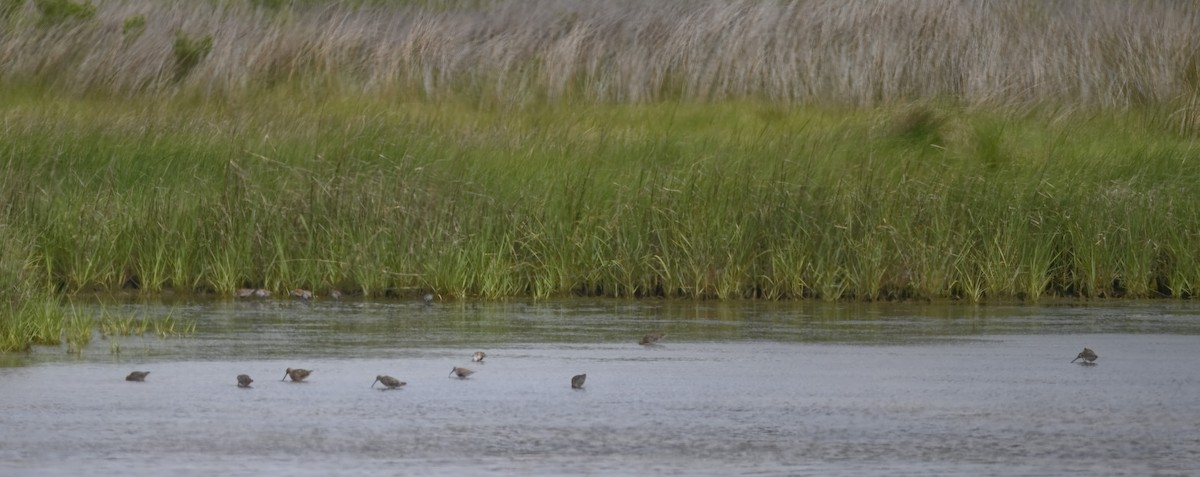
column 335, row 294
column 478, row 356
column 137, row 376
column 651, row 338
column 577, row 381
column 428, row 298
column 462, row 373
column 297, row 375
column 388, row 382
column 302, row 294
column 1087, row 355
column 244, row 380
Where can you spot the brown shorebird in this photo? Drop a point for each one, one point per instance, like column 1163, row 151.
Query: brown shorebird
column 262, row 293
column 1087, row 355
column 137, row 376
column 462, row 373
column 244, row 292
column 297, row 375
column 244, row 380
column 302, row 294
column 388, row 382
column 651, row 338
column 478, row 356
column 577, row 381
column 335, row 294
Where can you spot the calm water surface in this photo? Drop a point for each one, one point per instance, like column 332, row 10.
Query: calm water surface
column 735, row 389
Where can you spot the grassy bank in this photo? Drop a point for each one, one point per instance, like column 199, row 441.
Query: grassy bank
column 770, row 150
column 721, row 200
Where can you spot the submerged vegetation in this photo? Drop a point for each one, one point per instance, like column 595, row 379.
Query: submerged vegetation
column 767, row 150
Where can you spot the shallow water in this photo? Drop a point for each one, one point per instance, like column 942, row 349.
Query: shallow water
column 735, row 389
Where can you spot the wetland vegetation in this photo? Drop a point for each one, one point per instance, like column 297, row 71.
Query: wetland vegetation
column 683, row 149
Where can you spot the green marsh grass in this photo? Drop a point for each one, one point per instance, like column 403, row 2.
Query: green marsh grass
column 78, row 329
column 715, row 200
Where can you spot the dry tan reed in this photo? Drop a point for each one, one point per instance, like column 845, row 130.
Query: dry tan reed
column 1095, row 53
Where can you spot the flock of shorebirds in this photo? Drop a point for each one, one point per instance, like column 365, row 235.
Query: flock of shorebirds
column 388, row 382
column 297, row 375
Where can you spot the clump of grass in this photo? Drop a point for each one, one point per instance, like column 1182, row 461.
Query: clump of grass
column 168, row 326
column 189, row 52
column 56, row 12
column 133, row 27
column 34, row 322
column 78, row 329
column 117, row 324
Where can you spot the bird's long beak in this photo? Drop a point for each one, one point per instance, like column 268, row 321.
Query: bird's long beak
column 1076, row 359
column 284, row 376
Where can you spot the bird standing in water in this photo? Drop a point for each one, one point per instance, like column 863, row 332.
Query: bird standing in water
column 577, row 381
column 1087, row 355
column 388, row 382
column 462, row 373
column 297, row 375
column 244, row 380
column 302, row 295
column 478, row 356
column 651, row 338
column 137, row 376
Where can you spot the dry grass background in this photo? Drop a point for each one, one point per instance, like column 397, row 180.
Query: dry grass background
column 1094, row 53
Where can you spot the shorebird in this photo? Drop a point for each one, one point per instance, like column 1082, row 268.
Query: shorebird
column 335, row 294
column 297, row 375
column 478, row 356
column 244, row 380
column 302, row 294
column 1087, row 355
column 577, row 381
column 262, row 293
column 428, row 298
column 137, row 376
column 651, row 338
column 244, row 292
column 462, row 373
column 388, row 382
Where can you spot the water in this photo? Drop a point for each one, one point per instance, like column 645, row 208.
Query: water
column 735, row 389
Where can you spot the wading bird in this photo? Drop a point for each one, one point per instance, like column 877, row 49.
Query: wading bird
column 137, row 376
column 1087, row 355
column 302, row 294
column 388, row 382
column 651, row 338
column 478, row 356
column 462, row 373
column 244, row 380
column 297, row 375
column 577, row 381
